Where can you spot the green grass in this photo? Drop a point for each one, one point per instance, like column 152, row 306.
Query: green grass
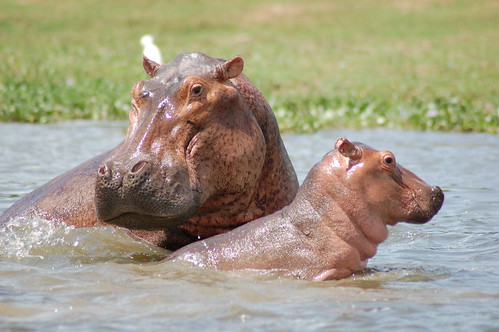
column 425, row 64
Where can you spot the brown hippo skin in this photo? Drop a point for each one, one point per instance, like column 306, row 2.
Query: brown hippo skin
column 202, row 155
column 334, row 224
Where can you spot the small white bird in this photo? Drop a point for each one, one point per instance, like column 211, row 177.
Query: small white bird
column 151, row 51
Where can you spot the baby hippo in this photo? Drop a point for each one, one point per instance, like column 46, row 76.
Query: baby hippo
column 334, row 224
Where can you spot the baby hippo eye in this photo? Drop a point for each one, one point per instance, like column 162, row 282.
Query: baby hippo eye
column 196, row 90
column 388, row 160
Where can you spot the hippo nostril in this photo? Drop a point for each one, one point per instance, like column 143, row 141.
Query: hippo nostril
column 138, row 166
column 103, row 170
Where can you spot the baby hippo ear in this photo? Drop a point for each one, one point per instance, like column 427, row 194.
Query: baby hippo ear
column 229, row 69
column 150, row 66
column 347, row 149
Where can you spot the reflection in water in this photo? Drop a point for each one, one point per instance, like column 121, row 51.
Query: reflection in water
column 438, row 276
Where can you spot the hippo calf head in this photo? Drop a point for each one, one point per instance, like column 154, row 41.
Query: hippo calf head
column 194, row 145
column 390, row 192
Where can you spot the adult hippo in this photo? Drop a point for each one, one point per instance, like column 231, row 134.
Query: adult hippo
column 334, row 224
column 202, row 155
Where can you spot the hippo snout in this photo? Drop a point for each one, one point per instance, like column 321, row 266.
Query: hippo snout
column 141, row 194
column 437, row 198
column 120, row 176
column 105, row 170
column 428, row 207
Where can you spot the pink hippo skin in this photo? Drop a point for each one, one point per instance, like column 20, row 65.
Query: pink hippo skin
column 334, row 224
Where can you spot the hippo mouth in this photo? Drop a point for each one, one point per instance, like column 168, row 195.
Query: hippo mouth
column 137, row 221
column 148, row 212
column 423, row 215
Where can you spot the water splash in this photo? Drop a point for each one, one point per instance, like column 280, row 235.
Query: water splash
column 21, row 237
column 40, row 238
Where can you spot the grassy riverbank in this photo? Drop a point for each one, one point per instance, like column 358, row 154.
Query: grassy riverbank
column 427, row 64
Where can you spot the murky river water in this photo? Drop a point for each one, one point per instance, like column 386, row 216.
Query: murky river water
column 441, row 276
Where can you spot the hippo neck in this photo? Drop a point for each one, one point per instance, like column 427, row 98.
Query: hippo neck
column 277, row 184
column 352, row 223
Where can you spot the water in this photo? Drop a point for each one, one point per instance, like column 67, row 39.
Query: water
column 443, row 275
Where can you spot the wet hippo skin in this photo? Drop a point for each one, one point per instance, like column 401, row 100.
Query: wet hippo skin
column 202, row 155
column 334, row 224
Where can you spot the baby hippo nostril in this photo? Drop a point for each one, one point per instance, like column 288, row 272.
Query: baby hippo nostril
column 138, row 166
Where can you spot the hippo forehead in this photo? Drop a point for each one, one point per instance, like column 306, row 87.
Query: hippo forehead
column 363, row 146
column 171, row 75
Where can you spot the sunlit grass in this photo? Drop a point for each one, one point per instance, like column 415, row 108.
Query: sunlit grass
column 427, row 64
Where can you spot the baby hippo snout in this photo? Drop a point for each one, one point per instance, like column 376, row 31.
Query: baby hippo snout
column 428, row 207
column 437, row 198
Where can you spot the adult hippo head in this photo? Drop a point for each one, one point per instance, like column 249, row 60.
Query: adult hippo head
column 202, row 155
column 202, row 152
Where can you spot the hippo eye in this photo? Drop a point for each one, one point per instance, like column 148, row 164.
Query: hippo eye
column 196, row 90
column 145, row 94
column 388, row 160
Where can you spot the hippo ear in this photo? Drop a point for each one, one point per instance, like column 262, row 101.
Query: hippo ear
column 347, row 149
column 150, row 66
column 229, row 69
